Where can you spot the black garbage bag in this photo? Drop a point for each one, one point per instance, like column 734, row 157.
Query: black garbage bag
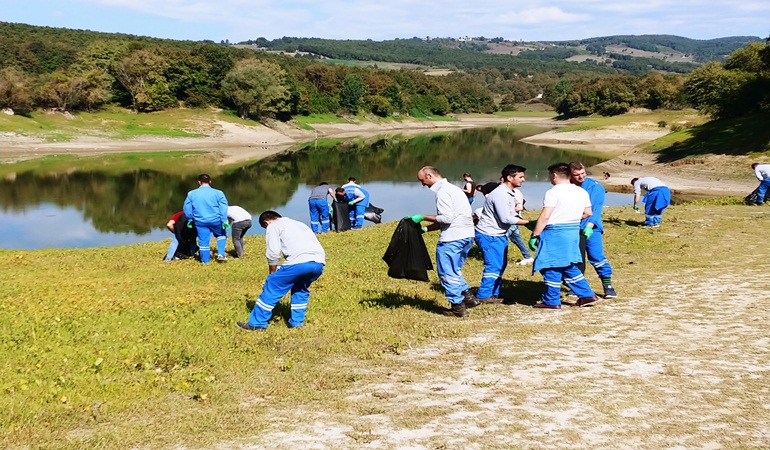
column 373, row 214
column 340, row 216
column 754, row 197
column 406, row 256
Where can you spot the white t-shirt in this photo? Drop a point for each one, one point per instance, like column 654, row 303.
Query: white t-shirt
column 762, row 171
column 295, row 241
column 568, row 202
column 453, row 212
column 646, row 183
column 237, row 214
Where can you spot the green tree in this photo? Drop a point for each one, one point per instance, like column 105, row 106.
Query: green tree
column 15, row 90
column 141, row 74
column 256, row 87
column 351, row 92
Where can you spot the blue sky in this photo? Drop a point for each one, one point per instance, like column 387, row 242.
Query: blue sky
column 239, row 20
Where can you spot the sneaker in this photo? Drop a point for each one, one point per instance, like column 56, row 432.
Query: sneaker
column 492, row 300
column 525, row 262
column 586, row 301
column 247, row 327
column 221, row 258
column 609, row 292
column 469, row 299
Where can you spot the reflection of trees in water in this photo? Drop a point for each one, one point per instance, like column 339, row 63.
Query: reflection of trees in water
column 142, row 200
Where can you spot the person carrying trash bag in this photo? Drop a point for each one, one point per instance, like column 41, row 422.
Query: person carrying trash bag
column 406, row 255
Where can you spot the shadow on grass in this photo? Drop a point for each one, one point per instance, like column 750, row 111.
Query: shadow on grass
column 626, row 222
column 738, row 136
column 521, row 292
column 396, row 300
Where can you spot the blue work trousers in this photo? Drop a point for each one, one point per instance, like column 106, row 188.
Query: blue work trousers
column 172, row 248
column 205, row 230
column 319, row 215
column 295, row 278
column 357, row 211
column 495, row 249
column 450, row 258
column 762, row 190
column 515, row 236
column 571, row 276
column 595, row 254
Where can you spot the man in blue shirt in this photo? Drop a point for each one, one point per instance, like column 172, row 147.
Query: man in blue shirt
column 206, row 207
column 592, row 230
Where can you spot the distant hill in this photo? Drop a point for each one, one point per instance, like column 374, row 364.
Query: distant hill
column 635, row 54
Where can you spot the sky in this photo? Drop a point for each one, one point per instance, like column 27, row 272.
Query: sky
column 531, row 20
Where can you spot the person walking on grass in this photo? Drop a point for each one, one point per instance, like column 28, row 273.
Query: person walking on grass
column 556, row 240
column 497, row 216
column 319, row 207
column 304, row 261
column 762, row 172
column 592, row 230
column 656, row 199
column 206, row 207
column 454, row 220
column 240, row 221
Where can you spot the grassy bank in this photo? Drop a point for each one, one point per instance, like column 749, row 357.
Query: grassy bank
column 112, row 348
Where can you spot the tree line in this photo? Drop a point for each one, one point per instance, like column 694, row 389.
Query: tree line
column 75, row 70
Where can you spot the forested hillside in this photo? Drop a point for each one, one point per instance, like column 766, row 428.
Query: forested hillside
column 76, row 70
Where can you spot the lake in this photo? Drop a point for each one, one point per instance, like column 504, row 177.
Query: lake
column 65, row 202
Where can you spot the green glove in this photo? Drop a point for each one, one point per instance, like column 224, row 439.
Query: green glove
column 331, row 210
column 636, row 208
column 423, row 230
column 533, row 242
column 226, row 226
column 351, row 203
column 189, row 224
column 416, row 218
column 531, row 225
column 587, row 232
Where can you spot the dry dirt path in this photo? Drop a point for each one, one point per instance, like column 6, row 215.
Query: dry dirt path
column 680, row 361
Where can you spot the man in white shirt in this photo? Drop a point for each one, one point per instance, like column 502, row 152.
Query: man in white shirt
column 240, row 223
column 454, row 219
column 656, row 199
column 304, row 260
column 498, row 214
column 762, row 172
column 556, row 238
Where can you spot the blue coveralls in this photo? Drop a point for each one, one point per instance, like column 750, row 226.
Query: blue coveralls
column 207, row 208
column 557, row 257
column 357, row 213
column 295, row 277
column 319, row 209
column 450, row 258
column 595, row 245
column 495, row 249
column 656, row 200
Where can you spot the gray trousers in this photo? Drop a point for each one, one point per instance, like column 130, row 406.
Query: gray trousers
column 239, row 230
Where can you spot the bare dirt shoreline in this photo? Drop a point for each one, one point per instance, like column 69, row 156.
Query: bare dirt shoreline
column 233, row 143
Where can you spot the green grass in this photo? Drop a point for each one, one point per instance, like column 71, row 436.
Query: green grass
column 112, row 348
column 594, row 122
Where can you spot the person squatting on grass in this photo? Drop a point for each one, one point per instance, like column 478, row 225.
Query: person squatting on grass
column 556, row 239
column 454, row 219
column 592, row 230
column 240, row 221
column 762, row 172
column 319, row 207
column 656, row 199
column 358, row 198
column 304, row 261
column 206, row 207
column 497, row 215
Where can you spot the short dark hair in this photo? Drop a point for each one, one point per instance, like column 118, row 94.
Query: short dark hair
column 576, row 165
column 633, row 180
column 466, row 174
column 351, row 178
column 322, row 183
column 340, row 189
column 267, row 215
column 754, row 166
column 204, row 178
column 512, row 169
column 560, row 168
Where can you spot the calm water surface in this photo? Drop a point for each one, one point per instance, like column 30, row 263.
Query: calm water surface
column 42, row 207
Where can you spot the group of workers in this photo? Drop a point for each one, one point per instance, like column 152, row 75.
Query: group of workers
column 356, row 197
column 206, row 212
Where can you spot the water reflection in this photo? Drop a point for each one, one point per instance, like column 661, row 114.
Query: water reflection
column 101, row 207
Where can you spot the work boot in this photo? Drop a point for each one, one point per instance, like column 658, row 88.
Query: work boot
column 457, row 310
column 609, row 291
column 469, row 299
